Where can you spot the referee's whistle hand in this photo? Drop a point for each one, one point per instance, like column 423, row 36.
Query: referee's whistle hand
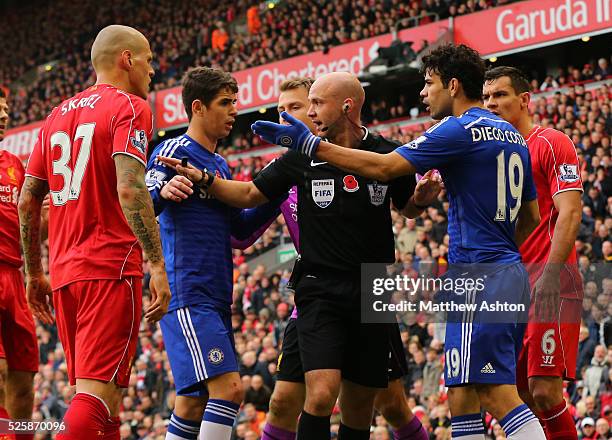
column 177, row 189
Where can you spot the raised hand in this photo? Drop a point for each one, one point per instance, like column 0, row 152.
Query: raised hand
column 296, row 136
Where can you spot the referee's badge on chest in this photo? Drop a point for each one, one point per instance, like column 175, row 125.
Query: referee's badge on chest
column 377, row 193
column 322, row 192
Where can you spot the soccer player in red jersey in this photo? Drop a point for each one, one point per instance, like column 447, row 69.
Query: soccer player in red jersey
column 18, row 343
column 91, row 156
column 550, row 344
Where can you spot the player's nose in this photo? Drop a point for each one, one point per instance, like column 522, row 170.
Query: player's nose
column 311, row 113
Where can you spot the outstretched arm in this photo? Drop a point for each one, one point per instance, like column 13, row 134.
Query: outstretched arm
column 381, row 167
column 297, row 136
column 234, row 193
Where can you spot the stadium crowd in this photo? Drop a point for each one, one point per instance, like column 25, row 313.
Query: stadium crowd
column 262, row 306
column 53, row 40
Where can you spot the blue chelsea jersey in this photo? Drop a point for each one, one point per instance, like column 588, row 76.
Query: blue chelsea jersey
column 486, row 168
column 196, row 233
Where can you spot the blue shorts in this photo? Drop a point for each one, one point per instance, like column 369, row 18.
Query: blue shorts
column 200, row 344
column 483, row 341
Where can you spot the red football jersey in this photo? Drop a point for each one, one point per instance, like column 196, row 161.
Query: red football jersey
column 555, row 169
column 11, row 180
column 89, row 237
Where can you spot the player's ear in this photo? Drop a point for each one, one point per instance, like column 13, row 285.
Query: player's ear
column 198, row 108
column 525, row 99
column 453, row 87
column 126, row 59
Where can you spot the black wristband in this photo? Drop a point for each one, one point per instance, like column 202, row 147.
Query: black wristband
column 210, row 178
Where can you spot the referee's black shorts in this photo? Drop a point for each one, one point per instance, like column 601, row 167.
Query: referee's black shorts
column 330, row 334
column 289, row 368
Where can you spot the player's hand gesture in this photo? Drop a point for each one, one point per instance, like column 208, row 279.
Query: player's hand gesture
column 38, row 294
column 185, row 169
column 546, row 292
column 160, row 295
column 296, row 135
column 178, row 189
column 428, row 188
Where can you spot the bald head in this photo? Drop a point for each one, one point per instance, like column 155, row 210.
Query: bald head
column 112, row 41
column 340, row 86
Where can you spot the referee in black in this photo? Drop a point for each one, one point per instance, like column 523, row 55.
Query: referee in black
column 344, row 221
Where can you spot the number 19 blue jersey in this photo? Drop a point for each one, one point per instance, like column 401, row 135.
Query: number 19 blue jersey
column 485, row 165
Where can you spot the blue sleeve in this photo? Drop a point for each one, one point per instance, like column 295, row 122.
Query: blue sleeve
column 158, row 174
column 529, row 188
column 435, row 148
column 245, row 223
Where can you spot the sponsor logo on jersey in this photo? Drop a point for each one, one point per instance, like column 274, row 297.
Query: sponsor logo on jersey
column 350, row 183
column 377, row 193
column 322, row 192
column 488, row 369
column 216, row 356
column 139, row 140
column 568, row 173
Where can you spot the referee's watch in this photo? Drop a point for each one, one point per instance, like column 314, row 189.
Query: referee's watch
column 207, row 179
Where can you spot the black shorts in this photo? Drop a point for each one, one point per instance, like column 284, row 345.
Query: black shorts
column 330, row 332
column 289, row 367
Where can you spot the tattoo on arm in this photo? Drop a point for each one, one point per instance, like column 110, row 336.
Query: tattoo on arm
column 30, row 203
column 137, row 205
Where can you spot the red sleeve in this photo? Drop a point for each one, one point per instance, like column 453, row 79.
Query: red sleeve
column 560, row 163
column 133, row 127
column 19, row 167
column 36, row 163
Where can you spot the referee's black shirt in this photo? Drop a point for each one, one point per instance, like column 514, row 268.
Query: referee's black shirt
column 344, row 219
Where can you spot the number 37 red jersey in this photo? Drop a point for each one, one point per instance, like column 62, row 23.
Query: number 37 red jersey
column 89, row 237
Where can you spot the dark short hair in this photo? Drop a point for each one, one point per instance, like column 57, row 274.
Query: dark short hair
column 518, row 79
column 296, row 83
column 204, row 83
column 2, row 92
column 460, row 62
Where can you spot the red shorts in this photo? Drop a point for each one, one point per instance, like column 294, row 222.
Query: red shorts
column 18, row 342
column 98, row 324
column 551, row 349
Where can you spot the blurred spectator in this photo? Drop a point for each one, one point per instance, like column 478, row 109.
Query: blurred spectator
column 219, row 37
column 593, row 375
column 588, row 429
column 258, row 394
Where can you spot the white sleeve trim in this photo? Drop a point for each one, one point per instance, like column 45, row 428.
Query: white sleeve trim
column 568, row 189
column 36, row 177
